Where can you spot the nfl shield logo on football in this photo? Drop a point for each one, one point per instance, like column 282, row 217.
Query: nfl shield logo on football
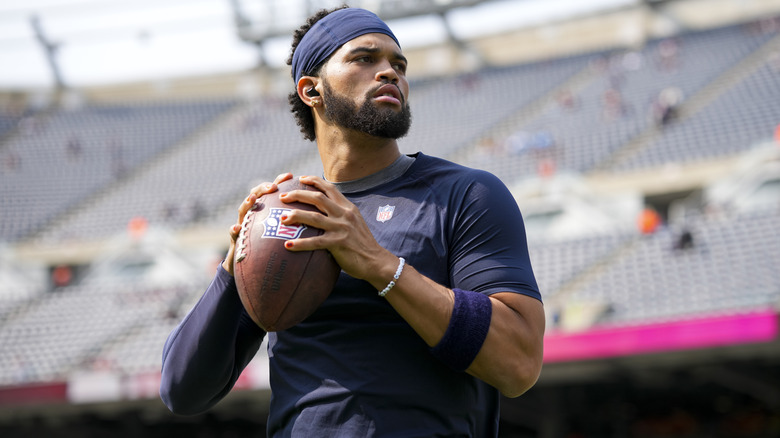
column 385, row 213
column 274, row 229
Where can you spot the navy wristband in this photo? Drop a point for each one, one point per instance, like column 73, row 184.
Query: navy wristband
column 467, row 330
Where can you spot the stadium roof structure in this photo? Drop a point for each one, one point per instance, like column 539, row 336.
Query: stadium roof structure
column 96, row 45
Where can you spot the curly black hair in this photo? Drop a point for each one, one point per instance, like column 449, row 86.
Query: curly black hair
column 301, row 111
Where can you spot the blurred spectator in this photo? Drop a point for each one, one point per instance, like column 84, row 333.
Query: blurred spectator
column 170, row 212
column 29, row 125
column 616, row 71
column 489, row 145
column 668, row 55
column 633, row 61
column 12, row 161
column 117, row 156
column 137, row 227
column 684, row 241
column 777, row 135
column 199, row 212
column 649, row 221
column 523, row 141
column 252, row 120
column 516, row 143
column 567, row 101
column 73, row 148
column 664, row 107
column 469, row 81
column 546, row 167
column 61, row 276
column 612, row 105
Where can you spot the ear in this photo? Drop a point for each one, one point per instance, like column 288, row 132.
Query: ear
column 305, row 84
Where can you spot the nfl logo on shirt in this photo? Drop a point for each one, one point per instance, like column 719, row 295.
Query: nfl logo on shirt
column 273, row 228
column 385, row 213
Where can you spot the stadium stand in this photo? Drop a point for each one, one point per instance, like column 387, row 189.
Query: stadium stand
column 49, row 338
column 68, row 155
column 189, row 163
column 475, row 102
column 740, row 117
column 177, row 164
column 196, row 177
column 260, row 140
column 479, row 105
column 556, row 263
column 728, row 266
column 582, row 128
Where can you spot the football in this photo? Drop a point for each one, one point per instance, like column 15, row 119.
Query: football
column 280, row 288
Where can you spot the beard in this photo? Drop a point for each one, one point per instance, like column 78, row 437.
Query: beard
column 368, row 118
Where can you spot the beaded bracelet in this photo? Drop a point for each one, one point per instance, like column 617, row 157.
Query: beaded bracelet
column 398, row 271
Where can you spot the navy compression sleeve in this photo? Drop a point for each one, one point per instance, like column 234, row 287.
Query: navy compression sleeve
column 204, row 356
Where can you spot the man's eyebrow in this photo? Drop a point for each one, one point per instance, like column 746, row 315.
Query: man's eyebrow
column 359, row 50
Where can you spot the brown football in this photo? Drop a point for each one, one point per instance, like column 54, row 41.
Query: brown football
column 280, row 288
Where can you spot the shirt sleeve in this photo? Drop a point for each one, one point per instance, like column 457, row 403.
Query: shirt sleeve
column 204, row 356
column 489, row 246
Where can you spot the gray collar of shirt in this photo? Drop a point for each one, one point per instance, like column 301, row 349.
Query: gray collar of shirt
column 389, row 173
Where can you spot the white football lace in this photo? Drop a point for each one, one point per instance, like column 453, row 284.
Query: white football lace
column 241, row 242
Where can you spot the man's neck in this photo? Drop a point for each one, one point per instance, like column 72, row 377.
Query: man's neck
column 348, row 156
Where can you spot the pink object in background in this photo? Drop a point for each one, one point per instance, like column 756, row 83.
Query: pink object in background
column 711, row 331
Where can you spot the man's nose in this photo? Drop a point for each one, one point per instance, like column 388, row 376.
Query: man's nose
column 387, row 73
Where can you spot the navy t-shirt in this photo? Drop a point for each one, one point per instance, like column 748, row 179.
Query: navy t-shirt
column 355, row 368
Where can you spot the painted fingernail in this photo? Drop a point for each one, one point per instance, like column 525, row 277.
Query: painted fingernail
column 288, row 244
column 284, row 218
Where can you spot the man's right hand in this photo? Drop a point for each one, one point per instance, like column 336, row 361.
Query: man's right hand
column 256, row 192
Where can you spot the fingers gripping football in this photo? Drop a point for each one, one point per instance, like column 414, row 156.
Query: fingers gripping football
column 277, row 287
column 346, row 235
column 249, row 202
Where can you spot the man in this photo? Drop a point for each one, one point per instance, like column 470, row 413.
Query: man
column 436, row 310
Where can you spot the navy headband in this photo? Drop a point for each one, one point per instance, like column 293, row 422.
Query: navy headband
column 330, row 33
